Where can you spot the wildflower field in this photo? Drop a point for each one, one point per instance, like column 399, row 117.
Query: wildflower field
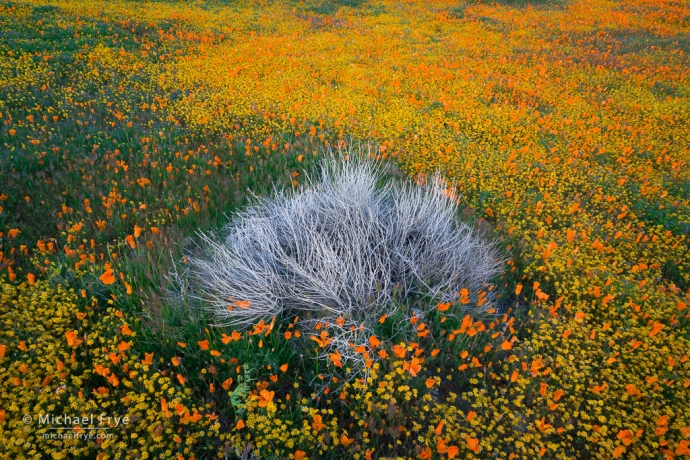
column 128, row 126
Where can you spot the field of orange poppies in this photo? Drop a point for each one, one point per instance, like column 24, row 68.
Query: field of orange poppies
column 128, row 126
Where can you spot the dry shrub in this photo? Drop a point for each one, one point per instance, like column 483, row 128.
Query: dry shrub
column 347, row 244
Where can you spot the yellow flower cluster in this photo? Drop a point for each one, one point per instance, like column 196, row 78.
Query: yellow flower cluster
column 63, row 356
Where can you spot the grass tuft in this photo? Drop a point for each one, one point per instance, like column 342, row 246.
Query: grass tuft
column 342, row 248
